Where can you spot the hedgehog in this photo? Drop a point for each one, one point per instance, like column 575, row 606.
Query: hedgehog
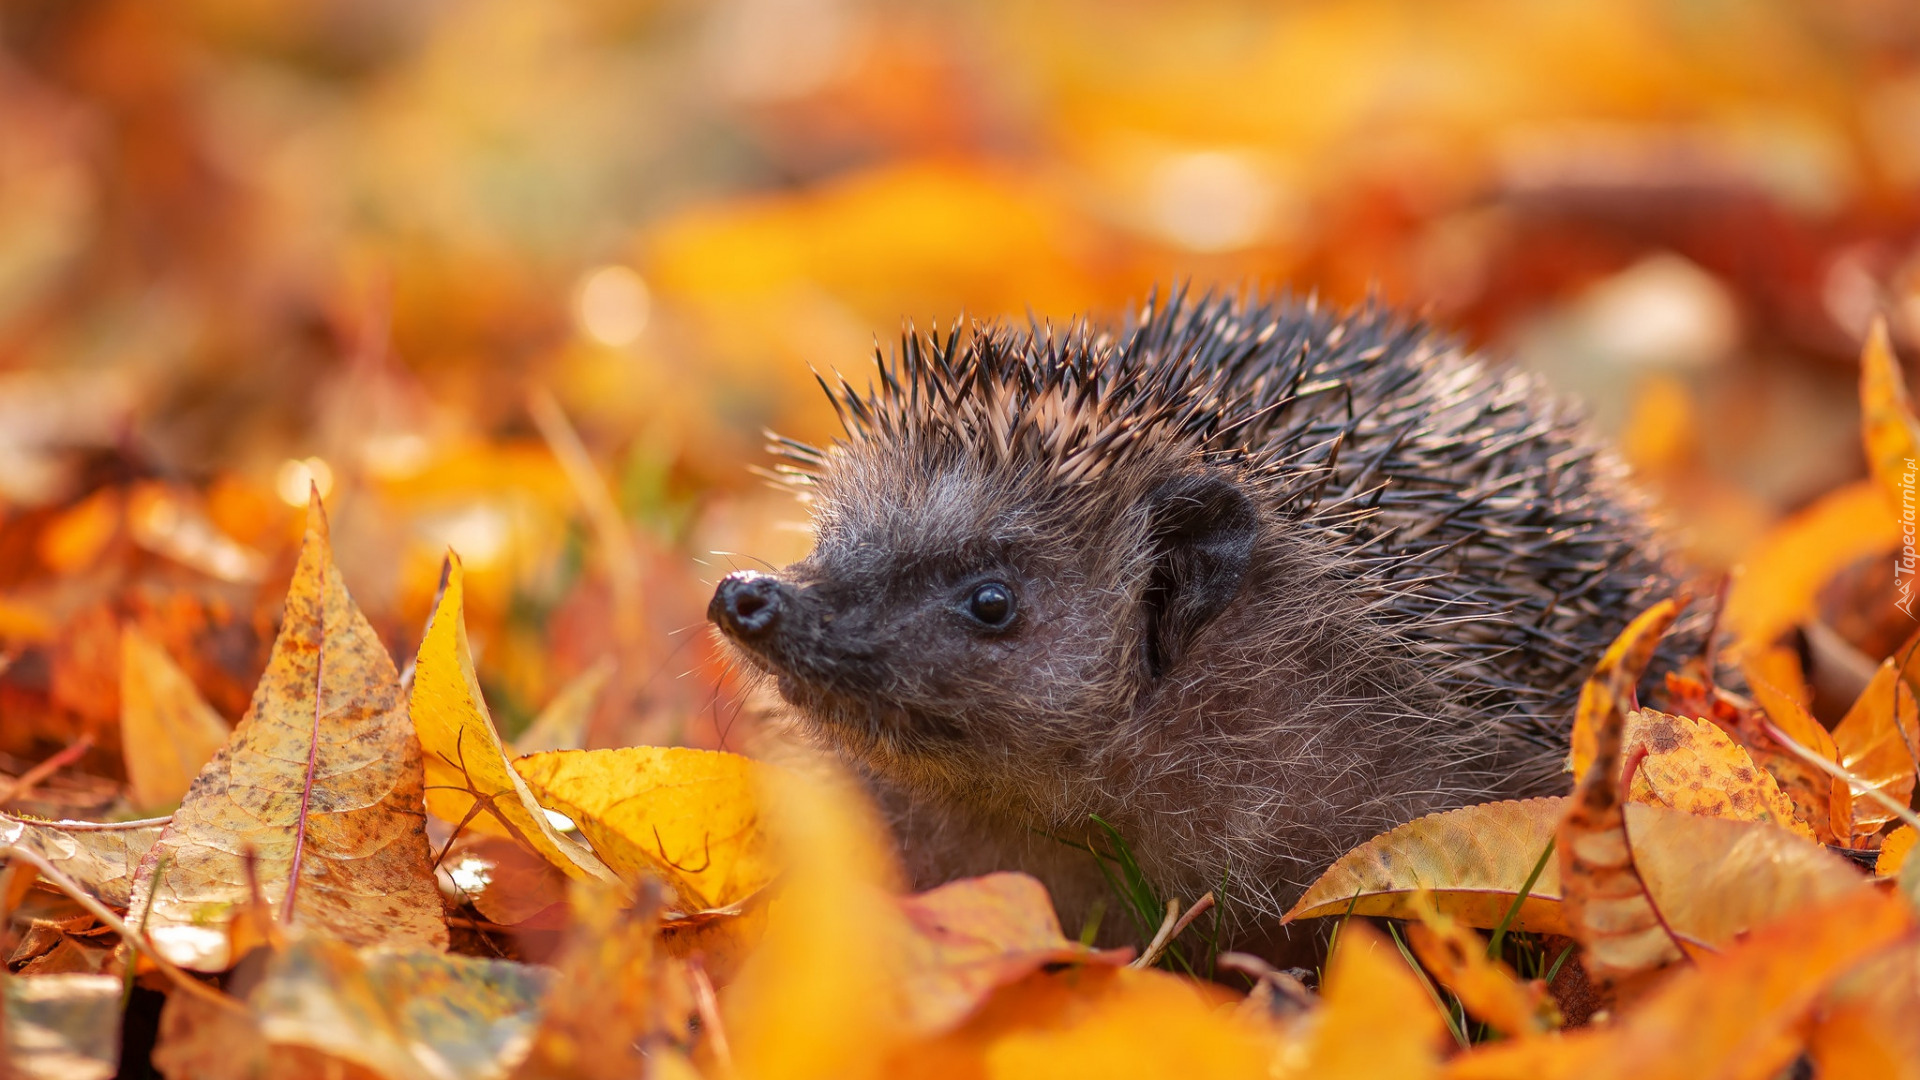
column 1243, row 579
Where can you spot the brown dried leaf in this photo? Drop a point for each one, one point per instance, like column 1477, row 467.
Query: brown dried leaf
column 505, row 882
column 1607, row 907
column 168, row 733
column 323, row 1008
column 321, row 782
column 102, row 857
column 59, row 1027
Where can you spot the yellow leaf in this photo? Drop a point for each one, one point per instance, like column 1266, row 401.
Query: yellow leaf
column 1824, row 801
column 1693, row 765
column 1894, row 849
column 1473, row 862
column 1774, row 589
column 1878, row 741
column 167, row 732
column 688, row 817
column 1457, row 958
column 817, row 999
column 1608, row 688
column 1740, row 1013
column 102, row 857
column 321, row 782
column 60, row 1027
column 1889, row 431
column 468, row 780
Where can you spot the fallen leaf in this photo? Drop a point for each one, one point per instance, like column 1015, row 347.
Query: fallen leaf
column 817, row 999
column 1693, row 765
column 60, row 1027
column 970, row 936
column 689, row 817
column 321, row 782
column 1607, row 909
column 1864, row 1025
column 1457, row 958
column 1737, row 1014
column 614, row 996
column 101, row 856
column 321, row 1006
column 1375, row 1020
column 1889, row 432
column 1471, row 861
column 562, row 725
column 168, row 733
column 1894, row 849
column 1602, row 693
column 1876, row 741
column 1824, row 801
column 1094, row 1022
column 1777, row 585
column 468, row 780
column 505, row 883
column 1474, row 861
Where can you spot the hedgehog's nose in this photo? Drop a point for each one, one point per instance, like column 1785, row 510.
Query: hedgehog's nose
column 747, row 603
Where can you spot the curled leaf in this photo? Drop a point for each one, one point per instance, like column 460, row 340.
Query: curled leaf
column 468, row 780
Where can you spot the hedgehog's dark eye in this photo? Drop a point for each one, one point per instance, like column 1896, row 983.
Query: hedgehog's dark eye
column 991, row 604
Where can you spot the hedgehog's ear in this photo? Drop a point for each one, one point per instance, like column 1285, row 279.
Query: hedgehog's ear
column 1204, row 530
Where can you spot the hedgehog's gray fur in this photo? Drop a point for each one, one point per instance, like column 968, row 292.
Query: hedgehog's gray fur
column 1439, row 554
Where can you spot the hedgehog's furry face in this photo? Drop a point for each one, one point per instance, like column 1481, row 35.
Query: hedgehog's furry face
column 967, row 610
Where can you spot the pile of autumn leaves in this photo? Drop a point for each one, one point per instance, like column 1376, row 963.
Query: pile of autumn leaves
column 321, row 902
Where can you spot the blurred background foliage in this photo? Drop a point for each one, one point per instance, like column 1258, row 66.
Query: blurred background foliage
column 529, row 279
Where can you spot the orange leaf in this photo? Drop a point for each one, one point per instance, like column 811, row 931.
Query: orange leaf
column 1775, row 587
column 1376, row 1020
column 1876, row 741
column 1825, row 801
column 1736, row 1014
column 1457, row 957
column 970, row 936
column 1894, row 850
column 1865, row 1025
column 321, row 782
column 167, row 731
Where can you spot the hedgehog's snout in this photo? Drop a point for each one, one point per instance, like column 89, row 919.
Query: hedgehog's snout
column 748, row 604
